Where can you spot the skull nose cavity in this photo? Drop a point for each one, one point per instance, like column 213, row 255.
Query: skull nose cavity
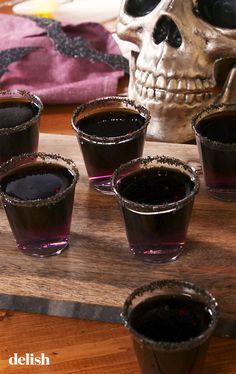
column 166, row 30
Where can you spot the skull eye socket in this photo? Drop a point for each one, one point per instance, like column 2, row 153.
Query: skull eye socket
column 219, row 13
column 139, row 8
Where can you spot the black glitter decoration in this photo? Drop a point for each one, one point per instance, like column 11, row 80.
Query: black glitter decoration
column 11, row 55
column 78, row 47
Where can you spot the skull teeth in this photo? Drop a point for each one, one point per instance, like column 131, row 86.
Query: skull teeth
column 161, row 82
column 179, row 90
column 188, row 85
column 150, row 93
column 172, row 85
column 170, row 97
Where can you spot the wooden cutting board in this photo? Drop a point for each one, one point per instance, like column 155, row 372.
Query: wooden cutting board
column 92, row 278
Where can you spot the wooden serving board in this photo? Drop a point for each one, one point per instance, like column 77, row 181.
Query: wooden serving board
column 92, row 278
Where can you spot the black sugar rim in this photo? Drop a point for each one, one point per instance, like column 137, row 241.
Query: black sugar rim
column 31, row 98
column 210, row 110
column 209, row 301
column 13, row 162
column 96, row 104
column 162, row 160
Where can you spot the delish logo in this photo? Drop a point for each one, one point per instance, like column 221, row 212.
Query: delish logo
column 29, row 359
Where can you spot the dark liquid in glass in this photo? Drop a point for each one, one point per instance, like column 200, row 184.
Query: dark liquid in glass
column 12, row 114
column 39, row 227
column 101, row 159
column 219, row 161
column 219, row 127
column 172, row 319
column 162, row 234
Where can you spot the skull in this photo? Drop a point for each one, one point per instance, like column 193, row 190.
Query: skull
column 182, row 59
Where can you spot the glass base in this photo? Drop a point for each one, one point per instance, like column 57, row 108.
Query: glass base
column 160, row 254
column 223, row 193
column 102, row 185
column 42, row 248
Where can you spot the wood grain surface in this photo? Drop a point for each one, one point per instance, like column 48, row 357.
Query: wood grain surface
column 98, row 270
column 88, row 347
column 82, row 347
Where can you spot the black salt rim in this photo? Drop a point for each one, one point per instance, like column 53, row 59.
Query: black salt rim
column 210, row 303
column 31, row 98
column 110, row 139
column 8, row 165
column 212, row 109
column 148, row 208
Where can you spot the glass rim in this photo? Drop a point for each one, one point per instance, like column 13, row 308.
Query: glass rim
column 206, row 112
column 211, row 303
column 110, row 139
column 9, row 165
column 152, row 208
column 32, row 98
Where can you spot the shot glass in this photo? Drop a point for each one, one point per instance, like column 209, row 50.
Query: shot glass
column 110, row 131
column 215, row 131
column 37, row 191
column 20, row 113
column 171, row 322
column 156, row 196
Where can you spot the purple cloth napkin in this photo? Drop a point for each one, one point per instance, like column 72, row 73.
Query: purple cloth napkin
column 51, row 75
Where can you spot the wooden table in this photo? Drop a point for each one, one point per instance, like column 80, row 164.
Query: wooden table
column 78, row 346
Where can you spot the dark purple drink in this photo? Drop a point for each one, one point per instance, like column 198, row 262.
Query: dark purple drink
column 101, row 159
column 112, row 124
column 14, row 113
column 170, row 318
column 19, row 123
column 171, row 322
column 38, row 203
column 216, row 139
column 110, row 132
column 157, row 235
